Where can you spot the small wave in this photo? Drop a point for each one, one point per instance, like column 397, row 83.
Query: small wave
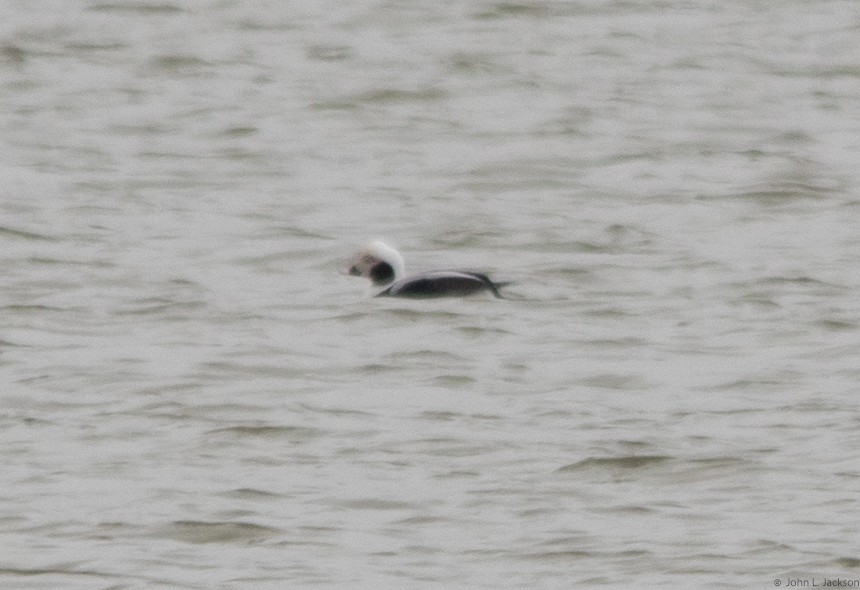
column 269, row 431
column 252, row 494
column 27, row 235
column 627, row 462
column 202, row 532
column 140, row 8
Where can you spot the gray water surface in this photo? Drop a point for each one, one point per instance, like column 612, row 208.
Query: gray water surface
column 194, row 397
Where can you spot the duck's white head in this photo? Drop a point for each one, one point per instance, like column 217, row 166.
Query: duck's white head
column 378, row 262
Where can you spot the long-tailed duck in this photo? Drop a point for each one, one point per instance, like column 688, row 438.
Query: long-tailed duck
column 384, row 266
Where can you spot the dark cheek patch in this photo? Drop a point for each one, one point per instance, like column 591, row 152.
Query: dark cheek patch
column 381, row 273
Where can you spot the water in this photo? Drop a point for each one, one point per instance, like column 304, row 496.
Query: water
column 193, row 396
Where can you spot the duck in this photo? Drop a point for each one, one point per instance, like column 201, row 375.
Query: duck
column 384, row 267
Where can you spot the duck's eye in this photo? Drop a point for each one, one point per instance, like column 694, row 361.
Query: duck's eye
column 353, row 270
